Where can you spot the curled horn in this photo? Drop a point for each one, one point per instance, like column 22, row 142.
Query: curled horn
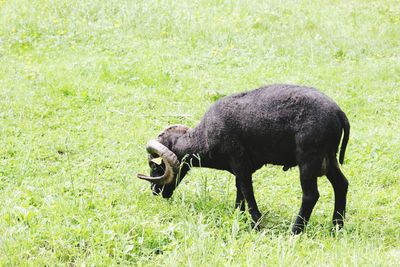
column 170, row 160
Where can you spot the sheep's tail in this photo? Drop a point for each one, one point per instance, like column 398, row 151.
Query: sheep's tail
column 346, row 133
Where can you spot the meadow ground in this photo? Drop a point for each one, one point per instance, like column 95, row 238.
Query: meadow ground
column 85, row 84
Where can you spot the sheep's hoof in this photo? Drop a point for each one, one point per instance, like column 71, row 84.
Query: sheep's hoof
column 338, row 223
column 297, row 229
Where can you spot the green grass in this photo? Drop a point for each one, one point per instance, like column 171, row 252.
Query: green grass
column 85, row 84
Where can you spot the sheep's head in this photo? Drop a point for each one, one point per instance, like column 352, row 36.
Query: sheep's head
column 164, row 163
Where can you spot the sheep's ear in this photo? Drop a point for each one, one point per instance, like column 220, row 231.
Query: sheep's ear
column 177, row 128
column 157, row 161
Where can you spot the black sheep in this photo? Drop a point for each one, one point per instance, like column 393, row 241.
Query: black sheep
column 278, row 124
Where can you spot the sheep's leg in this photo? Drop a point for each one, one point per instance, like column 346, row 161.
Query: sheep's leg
column 246, row 186
column 340, row 186
column 309, row 199
column 239, row 203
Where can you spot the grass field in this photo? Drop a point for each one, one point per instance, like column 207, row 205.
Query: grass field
column 85, row 84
